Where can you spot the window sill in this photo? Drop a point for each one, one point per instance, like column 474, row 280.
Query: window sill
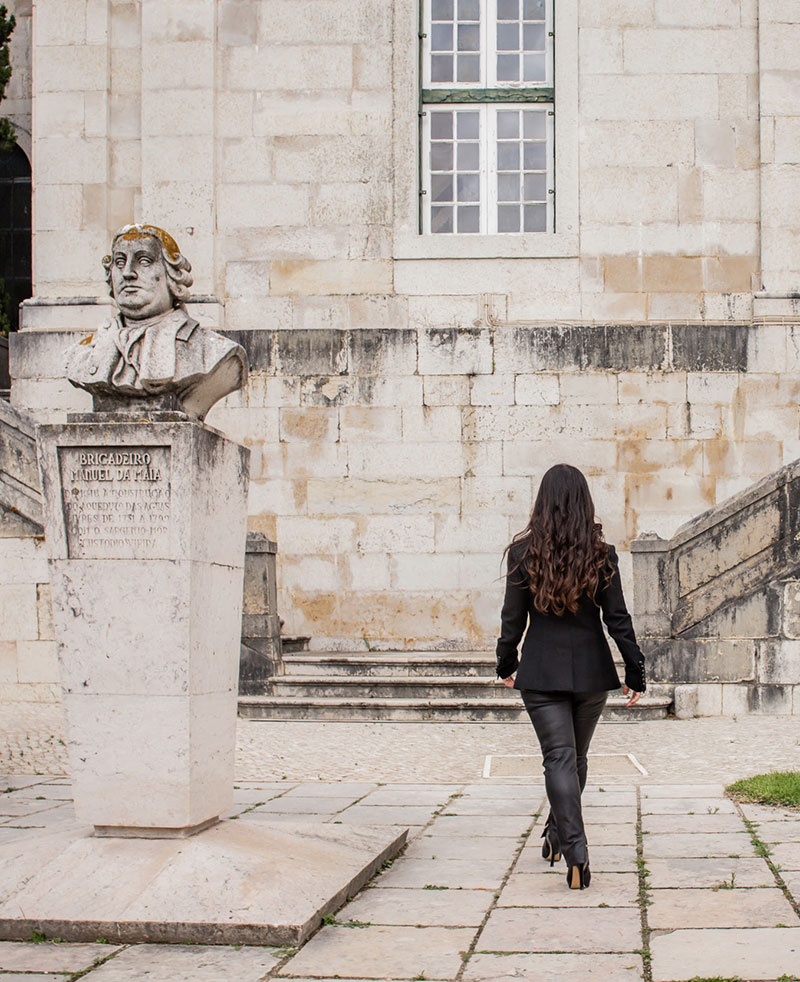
column 544, row 245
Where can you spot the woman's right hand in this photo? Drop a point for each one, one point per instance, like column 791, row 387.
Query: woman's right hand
column 509, row 682
column 634, row 696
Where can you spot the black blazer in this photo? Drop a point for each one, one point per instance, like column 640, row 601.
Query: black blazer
column 568, row 653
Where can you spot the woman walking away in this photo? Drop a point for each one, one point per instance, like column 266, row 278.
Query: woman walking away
column 561, row 576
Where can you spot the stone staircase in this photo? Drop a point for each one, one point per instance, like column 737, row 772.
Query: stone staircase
column 407, row 686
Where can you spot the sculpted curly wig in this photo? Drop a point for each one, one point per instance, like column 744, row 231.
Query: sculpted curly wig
column 561, row 552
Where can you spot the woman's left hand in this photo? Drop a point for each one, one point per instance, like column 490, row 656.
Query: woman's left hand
column 509, row 682
column 634, row 696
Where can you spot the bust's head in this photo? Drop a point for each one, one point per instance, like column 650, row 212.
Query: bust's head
column 145, row 271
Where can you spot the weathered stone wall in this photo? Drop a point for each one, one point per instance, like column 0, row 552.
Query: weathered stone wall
column 17, row 103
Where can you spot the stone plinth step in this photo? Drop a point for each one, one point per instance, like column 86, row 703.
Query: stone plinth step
column 500, row 709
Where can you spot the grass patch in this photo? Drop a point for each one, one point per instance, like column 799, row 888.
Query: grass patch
column 780, row 788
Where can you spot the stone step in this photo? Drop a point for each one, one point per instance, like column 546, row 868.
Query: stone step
column 402, row 664
column 357, row 687
column 500, row 710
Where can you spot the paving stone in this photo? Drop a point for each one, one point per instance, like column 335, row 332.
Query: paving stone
column 180, row 963
column 403, row 797
column 754, row 953
column 792, row 880
column 545, row 968
column 20, row 956
column 617, row 834
column 23, row 807
column 565, row 929
column 687, row 806
column 548, row 889
column 681, row 872
column 382, row 952
column 489, row 806
column 267, row 817
column 489, row 790
column 380, row 815
column 424, row 908
column 458, row 847
column 692, row 823
column 293, row 806
column 768, row 813
column 609, row 816
column 701, row 844
column 503, row 825
column 741, row 907
column 610, row 859
column 609, row 799
column 27, row 977
column 683, row 791
column 16, row 781
column 786, row 855
column 467, row 874
column 779, row 831
column 330, row 789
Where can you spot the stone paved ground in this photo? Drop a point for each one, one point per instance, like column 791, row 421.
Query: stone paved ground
column 712, row 749
column 681, row 887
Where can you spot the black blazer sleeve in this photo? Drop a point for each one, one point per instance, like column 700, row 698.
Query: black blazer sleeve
column 513, row 620
column 620, row 627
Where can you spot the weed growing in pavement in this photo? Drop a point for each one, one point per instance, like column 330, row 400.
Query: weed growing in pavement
column 761, row 848
column 712, row 811
column 726, row 884
column 353, row 923
column 433, row 886
column 386, row 864
column 420, row 977
column 329, row 919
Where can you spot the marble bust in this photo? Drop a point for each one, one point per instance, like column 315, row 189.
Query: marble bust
column 153, row 355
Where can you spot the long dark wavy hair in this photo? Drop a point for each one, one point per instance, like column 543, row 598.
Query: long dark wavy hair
column 561, row 552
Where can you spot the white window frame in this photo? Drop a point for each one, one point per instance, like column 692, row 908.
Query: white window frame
column 488, row 164
column 408, row 242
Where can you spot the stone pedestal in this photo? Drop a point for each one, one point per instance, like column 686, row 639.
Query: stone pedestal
column 145, row 523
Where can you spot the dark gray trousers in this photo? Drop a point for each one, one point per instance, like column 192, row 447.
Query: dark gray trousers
column 565, row 723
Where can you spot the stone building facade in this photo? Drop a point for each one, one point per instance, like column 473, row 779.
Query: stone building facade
column 407, row 390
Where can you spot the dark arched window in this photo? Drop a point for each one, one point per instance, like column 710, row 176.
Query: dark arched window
column 15, row 233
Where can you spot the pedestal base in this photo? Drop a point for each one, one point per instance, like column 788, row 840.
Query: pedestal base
column 240, row 882
column 136, row 832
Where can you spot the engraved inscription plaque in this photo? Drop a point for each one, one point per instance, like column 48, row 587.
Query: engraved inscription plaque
column 116, row 501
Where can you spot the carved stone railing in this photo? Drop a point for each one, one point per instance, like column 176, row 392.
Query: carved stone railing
column 718, row 602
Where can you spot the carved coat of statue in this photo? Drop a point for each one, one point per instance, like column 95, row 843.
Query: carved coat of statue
column 153, row 347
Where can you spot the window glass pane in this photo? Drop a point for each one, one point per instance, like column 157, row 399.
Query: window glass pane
column 469, row 37
column 508, row 187
column 508, row 68
column 441, row 126
column 442, row 9
column 468, row 187
column 442, row 37
column 507, row 9
column 468, row 125
column 469, row 68
column 508, row 37
column 441, row 156
column 5, row 207
column 533, row 37
column 535, row 218
column 442, row 187
column 535, row 156
column 469, row 219
column 508, row 156
column 533, row 9
column 534, row 125
column 535, row 187
column 508, row 125
column 441, row 68
column 441, row 219
column 533, row 68
column 508, row 218
column 469, row 156
column 469, row 10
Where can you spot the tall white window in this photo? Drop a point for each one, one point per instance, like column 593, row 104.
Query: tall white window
column 487, row 115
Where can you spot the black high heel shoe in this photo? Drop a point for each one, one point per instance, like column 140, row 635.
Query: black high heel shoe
column 579, row 877
column 551, row 847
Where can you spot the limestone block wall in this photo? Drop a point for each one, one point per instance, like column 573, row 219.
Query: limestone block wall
column 28, row 655
column 17, row 103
